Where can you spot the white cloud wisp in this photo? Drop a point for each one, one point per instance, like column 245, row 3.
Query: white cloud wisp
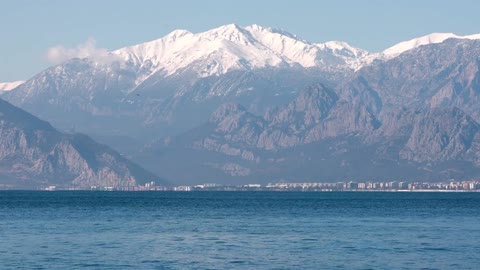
column 59, row 54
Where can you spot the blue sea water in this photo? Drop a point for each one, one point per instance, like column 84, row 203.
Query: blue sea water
column 239, row 230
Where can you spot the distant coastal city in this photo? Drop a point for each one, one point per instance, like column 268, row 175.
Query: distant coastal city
column 394, row 186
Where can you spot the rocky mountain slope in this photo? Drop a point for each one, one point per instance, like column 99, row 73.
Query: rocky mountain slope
column 244, row 103
column 438, row 75
column 300, row 141
column 33, row 154
column 142, row 91
column 417, row 111
column 146, row 87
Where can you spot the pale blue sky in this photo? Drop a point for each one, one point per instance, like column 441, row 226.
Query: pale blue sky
column 29, row 27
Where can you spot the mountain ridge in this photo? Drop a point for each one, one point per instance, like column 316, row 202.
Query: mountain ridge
column 231, row 47
column 33, row 154
column 433, row 38
column 239, row 115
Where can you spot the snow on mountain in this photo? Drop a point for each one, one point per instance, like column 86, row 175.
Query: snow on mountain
column 285, row 45
column 222, row 49
column 475, row 36
column 231, row 47
column 343, row 49
column 304, row 53
column 354, row 57
column 417, row 42
column 7, row 86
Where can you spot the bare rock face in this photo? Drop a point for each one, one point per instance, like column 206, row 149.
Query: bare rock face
column 417, row 137
column 438, row 75
column 33, row 153
column 307, row 110
column 314, row 115
column 91, row 96
column 441, row 134
column 237, row 125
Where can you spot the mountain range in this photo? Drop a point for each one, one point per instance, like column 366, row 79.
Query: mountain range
column 242, row 104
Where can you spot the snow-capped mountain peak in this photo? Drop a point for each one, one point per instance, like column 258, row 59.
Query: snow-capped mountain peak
column 230, row 32
column 343, row 48
column 178, row 33
column 232, row 47
column 282, row 32
column 417, row 42
column 219, row 50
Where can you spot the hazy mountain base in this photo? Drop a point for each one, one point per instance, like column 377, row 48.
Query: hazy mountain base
column 33, row 154
column 335, row 159
column 317, row 136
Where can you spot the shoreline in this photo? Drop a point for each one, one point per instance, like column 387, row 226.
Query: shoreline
column 253, row 190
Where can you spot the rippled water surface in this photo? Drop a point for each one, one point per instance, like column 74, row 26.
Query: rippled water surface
column 247, row 230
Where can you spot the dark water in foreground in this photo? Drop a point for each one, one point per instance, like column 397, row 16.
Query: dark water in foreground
column 222, row 230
